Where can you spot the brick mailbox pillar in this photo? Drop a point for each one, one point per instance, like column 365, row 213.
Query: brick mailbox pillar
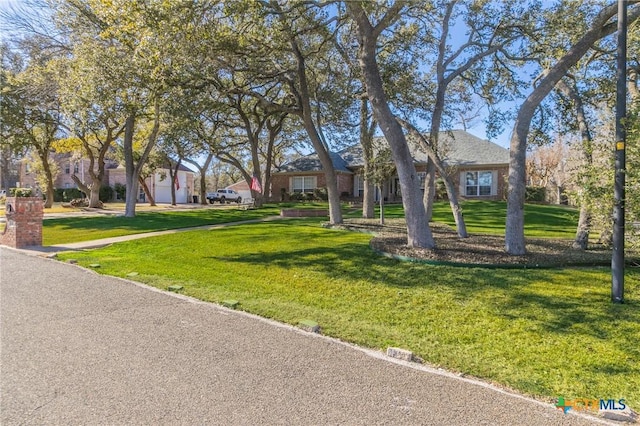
column 24, row 222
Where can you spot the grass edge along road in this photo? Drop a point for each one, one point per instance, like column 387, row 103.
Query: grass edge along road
column 547, row 333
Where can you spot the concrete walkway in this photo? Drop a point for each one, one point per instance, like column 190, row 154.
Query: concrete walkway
column 80, row 348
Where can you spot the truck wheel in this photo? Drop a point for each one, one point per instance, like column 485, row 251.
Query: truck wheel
column 222, row 200
column 210, row 201
column 239, row 200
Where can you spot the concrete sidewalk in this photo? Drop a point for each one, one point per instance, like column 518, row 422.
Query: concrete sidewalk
column 80, row 348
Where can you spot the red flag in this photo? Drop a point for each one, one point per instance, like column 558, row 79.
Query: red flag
column 255, row 185
column 176, row 181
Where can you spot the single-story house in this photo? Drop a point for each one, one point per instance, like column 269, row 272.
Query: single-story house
column 478, row 167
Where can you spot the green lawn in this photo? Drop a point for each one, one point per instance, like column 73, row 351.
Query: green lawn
column 488, row 217
column 480, row 217
column 547, row 333
column 75, row 229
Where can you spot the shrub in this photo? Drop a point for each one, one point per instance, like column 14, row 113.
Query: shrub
column 441, row 190
column 120, row 190
column 106, row 193
column 320, row 194
column 295, row 196
column 57, row 195
column 67, row 194
column 72, row 193
column 21, row 192
column 535, row 194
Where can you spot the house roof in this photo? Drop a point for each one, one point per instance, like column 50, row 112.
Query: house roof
column 311, row 163
column 181, row 168
column 241, row 185
column 460, row 148
column 457, row 147
column 184, row 168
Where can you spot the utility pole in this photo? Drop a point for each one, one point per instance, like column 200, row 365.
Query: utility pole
column 617, row 258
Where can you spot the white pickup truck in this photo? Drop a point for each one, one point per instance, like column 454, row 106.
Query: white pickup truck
column 224, row 196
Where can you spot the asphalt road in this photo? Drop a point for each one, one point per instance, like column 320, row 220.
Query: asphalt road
column 80, row 348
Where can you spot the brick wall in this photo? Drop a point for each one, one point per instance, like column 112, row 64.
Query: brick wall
column 24, row 222
column 282, row 180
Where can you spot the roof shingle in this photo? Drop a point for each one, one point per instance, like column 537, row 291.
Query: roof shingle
column 457, row 147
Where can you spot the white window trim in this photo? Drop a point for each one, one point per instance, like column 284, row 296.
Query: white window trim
column 313, row 186
column 422, row 178
column 358, row 185
column 463, row 183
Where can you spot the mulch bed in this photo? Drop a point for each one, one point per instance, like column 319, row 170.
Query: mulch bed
column 476, row 249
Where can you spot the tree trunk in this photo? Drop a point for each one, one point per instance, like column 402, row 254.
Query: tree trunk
column 203, row 188
column 93, row 189
column 514, row 229
column 173, row 175
column 131, row 179
column 333, row 195
column 434, row 133
column 429, row 188
column 274, row 127
column 305, row 112
column 203, row 176
column 581, row 241
column 366, row 141
column 147, row 191
column 456, row 209
column 203, row 179
column 44, row 158
column 438, row 164
column 368, row 199
column 381, row 202
column 133, row 170
column 94, row 196
column 418, row 231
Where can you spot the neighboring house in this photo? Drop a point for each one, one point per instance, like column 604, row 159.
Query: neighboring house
column 159, row 184
column 242, row 188
column 67, row 166
column 478, row 168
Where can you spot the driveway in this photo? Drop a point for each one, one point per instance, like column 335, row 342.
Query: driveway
column 80, row 348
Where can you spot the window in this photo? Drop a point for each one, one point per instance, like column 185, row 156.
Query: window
column 478, row 183
column 303, row 183
column 67, row 169
column 76, row 168
column 422, row 177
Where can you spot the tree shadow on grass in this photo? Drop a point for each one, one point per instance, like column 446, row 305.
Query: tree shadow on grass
column 587, row 313
column 571, row 305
